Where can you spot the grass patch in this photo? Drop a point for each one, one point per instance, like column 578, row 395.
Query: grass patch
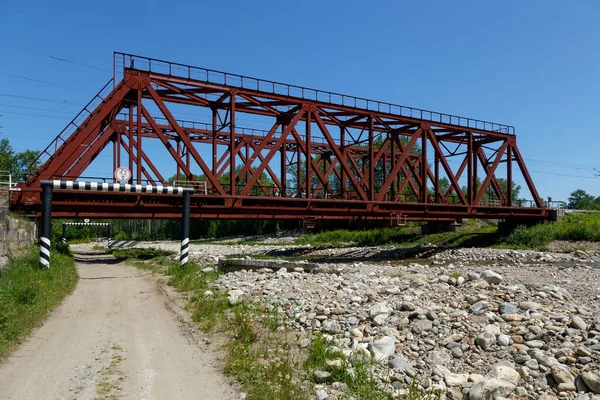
column 29, row 293
column 357, row 372
column 471, row 234
column 580, row 227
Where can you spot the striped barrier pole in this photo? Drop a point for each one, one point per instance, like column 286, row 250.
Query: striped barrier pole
column 46, row 226
column 64, row 237
column 185, row 230
column 109, row 235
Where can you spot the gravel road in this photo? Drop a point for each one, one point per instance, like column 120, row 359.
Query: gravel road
column 118, row 336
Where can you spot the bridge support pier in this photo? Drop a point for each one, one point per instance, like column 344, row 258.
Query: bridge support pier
column 46, row 231
column 185, row 229
column 439, row 227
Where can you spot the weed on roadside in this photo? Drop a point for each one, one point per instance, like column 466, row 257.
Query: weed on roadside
column 29, row 293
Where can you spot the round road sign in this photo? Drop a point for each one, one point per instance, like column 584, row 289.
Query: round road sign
column 122, row 174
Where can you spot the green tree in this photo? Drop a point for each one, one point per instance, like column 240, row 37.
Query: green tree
column 17, row 163
column 580, row 200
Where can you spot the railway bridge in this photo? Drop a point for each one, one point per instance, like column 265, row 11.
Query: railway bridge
column 262, row 149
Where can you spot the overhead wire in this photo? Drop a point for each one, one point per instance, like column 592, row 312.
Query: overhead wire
column 54, row 57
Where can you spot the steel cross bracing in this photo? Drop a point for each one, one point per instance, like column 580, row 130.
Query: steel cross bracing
column 316, row 154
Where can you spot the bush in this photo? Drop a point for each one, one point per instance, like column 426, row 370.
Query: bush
column 28, row 293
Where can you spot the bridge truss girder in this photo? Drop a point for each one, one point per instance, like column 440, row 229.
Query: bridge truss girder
column 347, row 161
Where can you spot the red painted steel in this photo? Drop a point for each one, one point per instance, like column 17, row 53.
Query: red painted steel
column 320, row 154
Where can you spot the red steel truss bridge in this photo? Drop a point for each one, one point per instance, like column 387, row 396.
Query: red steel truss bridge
column 264, row 149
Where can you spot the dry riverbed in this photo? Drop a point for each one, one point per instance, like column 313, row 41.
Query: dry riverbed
column 489, row 323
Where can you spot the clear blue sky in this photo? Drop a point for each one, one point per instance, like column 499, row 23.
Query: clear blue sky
column 532, row 64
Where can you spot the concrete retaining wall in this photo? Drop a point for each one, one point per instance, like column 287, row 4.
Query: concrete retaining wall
column 16, row 234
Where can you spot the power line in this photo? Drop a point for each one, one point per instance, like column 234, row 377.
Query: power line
column 39, row 81
column 32, row 108
column 42, row 99
column 54, row 57
column 32, row 115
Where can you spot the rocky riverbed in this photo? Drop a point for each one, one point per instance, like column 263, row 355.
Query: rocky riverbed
column 486, row 323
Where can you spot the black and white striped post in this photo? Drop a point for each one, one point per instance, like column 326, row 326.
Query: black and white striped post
column 185, row 230
column 109, row 235
column 46, row 230
column 47, row 187
column 64, row 237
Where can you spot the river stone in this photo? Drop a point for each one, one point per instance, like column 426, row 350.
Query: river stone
column 490, row 388
column 456, row 379
column 592, row 380
column 451, row 339
column 578, row 323
column 402, row 365
column 234, row 296
column 422, row 325
column 508, row 308
column 478, row 307
column 564, row 378
column 380, row 319
column 332, row 326
column 383, row 348
column 505, row 373
column 322, row 376
column 491, row 277
column 486, row 340
column 377, row 309
column 504, row 340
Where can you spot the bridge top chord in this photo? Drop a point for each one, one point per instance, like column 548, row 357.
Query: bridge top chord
column 122, row 61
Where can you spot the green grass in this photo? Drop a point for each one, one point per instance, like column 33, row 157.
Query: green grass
column 28, row 294
column 398, row 236
column 356, row 372
column 581, row 227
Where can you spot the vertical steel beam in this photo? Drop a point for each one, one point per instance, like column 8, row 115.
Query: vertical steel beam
column 115, row 161
column 178, row 171
column 308, row 155
column 130, row 143
column 283, row 167
column 46, row 231
column 118, row 137
column 214, row 141
column 469, row 159
column 343, row 161
column 509, row 184
column 139, row 138
column 371, row 159
column 473, row 176
column 423, row 168
column 436, row 178
column 185, row 229
column 232, row 177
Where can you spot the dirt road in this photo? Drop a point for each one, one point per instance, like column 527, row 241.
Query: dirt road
column 115, row 337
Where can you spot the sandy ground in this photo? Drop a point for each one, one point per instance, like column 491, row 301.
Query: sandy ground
column 115, row 337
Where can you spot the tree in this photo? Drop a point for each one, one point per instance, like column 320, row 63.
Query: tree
column 516, row 189
column 580, row 200
column 7, row 155
column 17, row 164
